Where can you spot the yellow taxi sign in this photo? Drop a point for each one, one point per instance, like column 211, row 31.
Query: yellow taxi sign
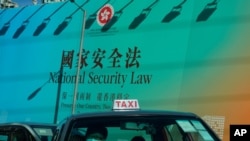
column 126, row 104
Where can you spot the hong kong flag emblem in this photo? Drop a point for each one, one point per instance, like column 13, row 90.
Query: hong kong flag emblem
column 105, row 14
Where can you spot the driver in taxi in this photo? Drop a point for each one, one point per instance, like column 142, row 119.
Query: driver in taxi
column 96, row 134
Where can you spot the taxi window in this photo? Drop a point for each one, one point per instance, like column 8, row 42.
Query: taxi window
column 3, row 137
column 20, row 135
column 4, row 134
column 15, row 133
column 187, row 130
column 116, row 129
column 114, row 134
column 149, row 128
column 45, row 134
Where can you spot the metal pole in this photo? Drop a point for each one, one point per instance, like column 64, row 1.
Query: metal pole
column 58, row 93
column 79, row 63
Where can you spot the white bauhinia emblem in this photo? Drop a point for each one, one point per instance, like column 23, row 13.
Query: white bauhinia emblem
column 105, row 14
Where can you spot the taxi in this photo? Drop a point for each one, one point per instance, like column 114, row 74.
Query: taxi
column 26, row 131
column 126, row 122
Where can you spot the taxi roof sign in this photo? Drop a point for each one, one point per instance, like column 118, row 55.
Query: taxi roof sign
column 126, row 104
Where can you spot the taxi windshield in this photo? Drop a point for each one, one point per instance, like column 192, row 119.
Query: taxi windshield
column 143, row 128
